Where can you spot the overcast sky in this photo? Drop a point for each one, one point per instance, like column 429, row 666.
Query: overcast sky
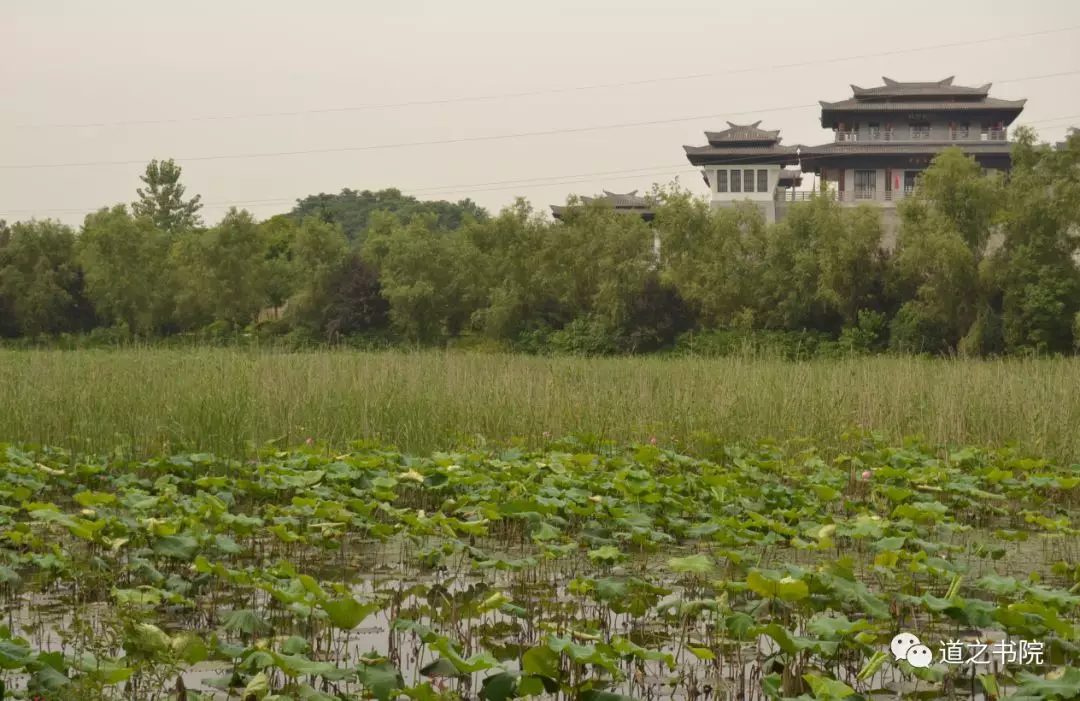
column 86, row 81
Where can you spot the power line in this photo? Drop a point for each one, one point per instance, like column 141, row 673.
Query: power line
column 458, row 140
column 550, row 91
column 492, row 185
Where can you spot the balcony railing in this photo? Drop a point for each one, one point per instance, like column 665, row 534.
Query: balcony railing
column 784, row 195
column 872, row 135
column 859, row 195
column 956, row 134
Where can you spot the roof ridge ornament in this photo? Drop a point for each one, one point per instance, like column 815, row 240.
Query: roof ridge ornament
column 889, row 81
column 947, row 82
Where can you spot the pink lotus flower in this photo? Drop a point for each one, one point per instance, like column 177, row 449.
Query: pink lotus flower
column 310, row 441
column 866, row 474
column 653, row 440
column 547, row 434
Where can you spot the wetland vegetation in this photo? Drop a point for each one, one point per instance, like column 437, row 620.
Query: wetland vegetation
column 762, row 571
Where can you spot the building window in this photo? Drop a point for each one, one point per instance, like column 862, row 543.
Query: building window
column 909, row 181
column 721, row 181
column 748, row 181
column 961, row 131
column 865, row 184
column 736, row 183
column 920, row 132
column 873, row 131
column 763, row 181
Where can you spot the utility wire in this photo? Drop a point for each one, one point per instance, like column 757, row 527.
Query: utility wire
column 458, row 140
column 492, row 185
column 550, row 91
column 496, row 185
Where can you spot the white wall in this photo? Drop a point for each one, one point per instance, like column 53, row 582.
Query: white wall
column 767, row 196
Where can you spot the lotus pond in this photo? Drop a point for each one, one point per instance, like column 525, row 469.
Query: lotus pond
column 757, row 572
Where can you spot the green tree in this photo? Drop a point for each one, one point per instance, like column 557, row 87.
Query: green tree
column 506, row 249
column 824, row 265
column 9, row 325
column 162, row 198
column 356, row 304
column 715, row 258
column 424, row 276
column 352, row 210
column 127, row 272
column 597, row 263
column 40, row 281
column 319, row 251
column 1034, row 275
column 944, row 235
column 278, row 234
column 221, row 271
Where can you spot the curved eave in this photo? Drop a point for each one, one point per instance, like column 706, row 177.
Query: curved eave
column 813, row 157
column 1009, row 110
column 901, row 91
column 744, row 143
column 557, row 211
column 709, row 155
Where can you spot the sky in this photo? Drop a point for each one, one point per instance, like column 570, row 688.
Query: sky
column 91, row 91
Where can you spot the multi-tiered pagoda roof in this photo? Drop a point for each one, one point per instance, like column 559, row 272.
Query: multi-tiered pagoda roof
column 629, row 203
column 896, row 104
column 742, row 143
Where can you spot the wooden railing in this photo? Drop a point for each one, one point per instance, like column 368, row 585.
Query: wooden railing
column 955, row 134
column 872, row 136
column 867, row 195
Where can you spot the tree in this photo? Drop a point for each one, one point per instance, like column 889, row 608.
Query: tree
column 279, row 234
column 221, row 271
column 716, row 259
column 40, row 281
column 319, row 251
column 424, row 276
column 356, row 303
column 512, row 296
column 944, row 234
column 1034, row 277
column 824, row 265
column 352, row 210
column 597, row 262
column 127, row 271
column 9, row 325
column 162, row 200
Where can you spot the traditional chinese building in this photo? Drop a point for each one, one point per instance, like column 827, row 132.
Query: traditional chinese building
column 630, row 203
column 746, row 162
column 883, row 137
column 1069, row 133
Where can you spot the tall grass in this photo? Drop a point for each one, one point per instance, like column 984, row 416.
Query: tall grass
column 220, row 399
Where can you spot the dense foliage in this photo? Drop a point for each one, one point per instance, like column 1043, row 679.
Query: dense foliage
column 982, row 265
column 587, row 576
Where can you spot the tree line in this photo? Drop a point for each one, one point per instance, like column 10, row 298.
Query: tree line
column 982, row 265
